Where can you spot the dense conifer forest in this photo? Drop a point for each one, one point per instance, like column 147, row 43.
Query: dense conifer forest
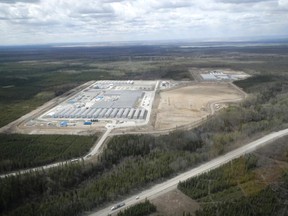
column 140, row 209
column 19, row 151
column 236, row 189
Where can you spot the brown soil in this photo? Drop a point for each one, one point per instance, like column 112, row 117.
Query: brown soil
column 174, row 203
column 190, row 104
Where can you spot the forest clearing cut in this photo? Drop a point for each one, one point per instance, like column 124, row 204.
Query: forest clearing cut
column 193, row 103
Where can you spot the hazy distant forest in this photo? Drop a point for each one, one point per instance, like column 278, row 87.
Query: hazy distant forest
column 130, row 163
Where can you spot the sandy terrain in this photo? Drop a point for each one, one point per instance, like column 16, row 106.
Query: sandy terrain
column 174, row 203
column 190, row 104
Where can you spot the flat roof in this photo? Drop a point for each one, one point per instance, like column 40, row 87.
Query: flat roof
column 208, row 77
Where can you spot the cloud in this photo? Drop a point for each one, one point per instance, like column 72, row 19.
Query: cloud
column 243, row 1
column 15, row 1
column 41, row 21
column 283, row 3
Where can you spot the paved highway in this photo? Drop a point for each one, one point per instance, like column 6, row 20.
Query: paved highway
column 171, row 184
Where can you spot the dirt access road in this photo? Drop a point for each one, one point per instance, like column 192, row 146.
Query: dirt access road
column 17, row 125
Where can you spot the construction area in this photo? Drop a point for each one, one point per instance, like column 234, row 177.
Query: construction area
column 219, row 75
column 103, row 100
column 193, row 103
column 106, row 100
column 134, row 106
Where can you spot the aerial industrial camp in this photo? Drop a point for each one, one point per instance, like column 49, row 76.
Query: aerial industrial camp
column 134, row 107
column 147, row 105
column 105, row 100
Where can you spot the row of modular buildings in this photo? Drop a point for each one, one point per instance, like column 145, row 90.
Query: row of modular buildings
column 105, row 113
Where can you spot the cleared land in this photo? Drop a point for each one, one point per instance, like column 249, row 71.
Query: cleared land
column 191, row 104
column 174, row 203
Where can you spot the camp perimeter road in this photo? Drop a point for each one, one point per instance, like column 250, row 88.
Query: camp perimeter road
column 171, row 184
column 98, row 144
column 94, row 151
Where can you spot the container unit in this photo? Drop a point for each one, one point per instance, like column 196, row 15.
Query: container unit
column 114, row 112
column 101, row 114
column 67, row 114
column 84, row 114
column 73, row 115
column 125, row 113
column 119, row 114
column 130, row 115
column 90, row 114
column 62, row 113
column 107, row 114
column 96, row 114
column 92, row 111
column 88, row 123
column 136, row 114
column 142, row 114
column 78, row 115
column 56, row 114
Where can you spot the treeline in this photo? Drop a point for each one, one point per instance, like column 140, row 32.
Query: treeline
column 221, row 179
column 81, row 187
column 19, row 151
column 140, row 209
column 263, row 111
column 133, row 162
column 234, row 189
column 255, row 83
column 265, row 203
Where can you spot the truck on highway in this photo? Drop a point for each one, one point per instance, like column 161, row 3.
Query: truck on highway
column 118, row 206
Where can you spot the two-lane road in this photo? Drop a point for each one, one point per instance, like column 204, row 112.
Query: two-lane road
column 171, row 184
column 94, row 151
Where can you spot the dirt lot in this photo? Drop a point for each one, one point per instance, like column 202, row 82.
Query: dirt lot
column 190, row 104
column 174, row 203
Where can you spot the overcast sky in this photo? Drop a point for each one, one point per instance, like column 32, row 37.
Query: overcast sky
column 49, row 21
